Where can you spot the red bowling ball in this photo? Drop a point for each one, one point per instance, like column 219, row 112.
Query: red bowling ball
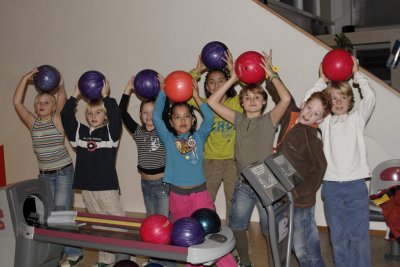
column 179, row 86
column 337, row 65
column 156, row 229
column 248, row 67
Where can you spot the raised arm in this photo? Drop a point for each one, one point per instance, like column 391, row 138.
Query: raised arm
column 61, row 96
column 196, row 95
column 68, row 119
column 200, row 68
column 129, row 122
column 320, row 85
column 219, row 108
column 113, row 113
column 280, row 108
column 27, row 117
column 275, row 96
column 367, row 103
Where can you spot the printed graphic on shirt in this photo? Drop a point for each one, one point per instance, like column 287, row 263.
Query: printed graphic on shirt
column 154, row 143
column 188, row 148
column 224, row 128
column 91, row 146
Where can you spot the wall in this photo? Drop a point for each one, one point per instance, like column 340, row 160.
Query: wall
column 123, row 37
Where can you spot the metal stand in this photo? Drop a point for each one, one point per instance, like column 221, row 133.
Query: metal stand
column 273, row 181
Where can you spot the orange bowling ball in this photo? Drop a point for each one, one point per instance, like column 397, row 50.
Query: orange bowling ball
column 179, row 86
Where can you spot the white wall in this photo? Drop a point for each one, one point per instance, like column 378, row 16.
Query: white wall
column 122, row 37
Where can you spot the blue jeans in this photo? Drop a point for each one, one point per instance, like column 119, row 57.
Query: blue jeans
column 61, row 189
column 306, row 245
column 156, row 201
column 347, row 212
column 156, row 197
column 243, row 202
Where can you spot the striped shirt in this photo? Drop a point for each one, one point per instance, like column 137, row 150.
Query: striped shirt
column 151, row 152
column 48, row 145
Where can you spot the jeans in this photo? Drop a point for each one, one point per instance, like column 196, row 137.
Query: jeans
column 347, row 212
column 306, row 245
column 156, row 201
column 155, row 195
column 61, row 189
column 243, row 202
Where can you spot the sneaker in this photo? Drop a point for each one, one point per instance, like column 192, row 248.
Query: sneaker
column 71, row 261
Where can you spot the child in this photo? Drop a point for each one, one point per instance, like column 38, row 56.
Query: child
column 344, row 190
column 254, row 139
column 184, row 169
column 219, row 163
column 298, row 141
column 151, row 158
column 151, row 154
column 48, row 139
column 96, row 150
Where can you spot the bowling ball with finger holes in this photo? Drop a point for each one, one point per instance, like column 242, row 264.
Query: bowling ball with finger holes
column 126, row 263
column 179, row 86
column 248, row 67
column 146, row 84
column 187, row 231
column 153, row 264
column 208, row 219
column 337, row 65
column 47, row 78
column 91, row 83
column 156, row 229
column 213, row 54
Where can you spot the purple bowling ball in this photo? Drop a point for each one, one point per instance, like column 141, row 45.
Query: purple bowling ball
column 213, row 55
column 91, row 83
column 47, row 78
column 146, row 84
column 186, row 232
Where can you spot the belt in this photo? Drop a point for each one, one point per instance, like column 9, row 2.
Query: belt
column 54, row 171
